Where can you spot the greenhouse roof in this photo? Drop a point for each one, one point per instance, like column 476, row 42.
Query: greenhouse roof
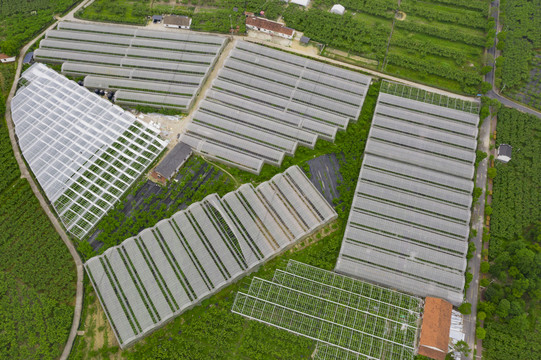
column 409, row 221
column 349, row 319
column 84, row 151
column 146, row 63
column 166, row 269
column 265, row 102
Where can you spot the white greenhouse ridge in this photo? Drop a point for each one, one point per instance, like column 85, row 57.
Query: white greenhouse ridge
column 266, row 102
column 84, row 151
column 145, row 67
column 164, row 270
column 409, row 222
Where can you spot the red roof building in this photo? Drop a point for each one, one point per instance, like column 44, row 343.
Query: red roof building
column 269, row 27
column 434, row 341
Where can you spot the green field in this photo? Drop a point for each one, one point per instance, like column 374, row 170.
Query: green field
column 440, row 44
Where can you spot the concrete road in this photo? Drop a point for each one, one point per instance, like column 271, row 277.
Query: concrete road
column 43, row 202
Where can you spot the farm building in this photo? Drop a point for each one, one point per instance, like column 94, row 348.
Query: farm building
column 409, row 222
column 304, row 40
column 171, row 163
column 84, row 151
column 338, row 9
column 504, row 152
column 29, row 58
column 157, row 19
column 435, row 329
column 177, row 21
column 164, row 270
column 269, row 27
column 304, row 3
column 6, row 59
column 145, row 67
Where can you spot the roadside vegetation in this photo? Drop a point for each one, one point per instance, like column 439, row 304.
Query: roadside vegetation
column 211, row 331
column 518, row 70
column 511, row 306
column 37, row 274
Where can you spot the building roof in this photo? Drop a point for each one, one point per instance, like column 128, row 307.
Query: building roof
column 4, row 56
column 505, row 150
column 338, row 9
column 176, row 20
column 168, row 166
column 157, row 17
column 300, row 2
column 305, row 39
column 28, row 57
column 269, row 25
column 434, row 341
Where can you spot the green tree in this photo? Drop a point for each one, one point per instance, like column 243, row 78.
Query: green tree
column 485, row 267
column 465, row 308
column 491, row 173
column 486, row 69
column 503, row 308
column 485, row 87
column 481, row 315
column 488, row 210
column 480, row 333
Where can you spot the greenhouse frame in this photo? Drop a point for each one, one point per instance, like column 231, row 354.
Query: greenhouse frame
column 145, row 67
column 164, row 270
column 266, row 102
column 84, row 151
column 349, row 319
column 410, row 218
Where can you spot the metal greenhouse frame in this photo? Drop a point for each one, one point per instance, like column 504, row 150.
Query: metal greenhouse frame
column 84, row 151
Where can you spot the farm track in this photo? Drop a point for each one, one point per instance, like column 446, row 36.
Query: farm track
column 43, row 203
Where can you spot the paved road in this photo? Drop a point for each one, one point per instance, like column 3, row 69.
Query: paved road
column 490, row 77
column 26, row 175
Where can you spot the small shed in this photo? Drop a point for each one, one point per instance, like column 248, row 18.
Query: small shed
column 157, row 19
column 434, row 340
column 504, row 152
column 304, row 40
column 300, row 2
column 338, row 9
column 172, row 162
column 29, row 58
column 176, row 21
column 6, row 58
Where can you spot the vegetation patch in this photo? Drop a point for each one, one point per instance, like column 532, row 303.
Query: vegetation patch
column 512, row 297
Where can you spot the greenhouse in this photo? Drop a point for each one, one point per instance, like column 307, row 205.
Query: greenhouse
column 150, row 68
column 409, row 222
column 84, row 151
column 348, row 318
column 265, row 102
column 166, row 269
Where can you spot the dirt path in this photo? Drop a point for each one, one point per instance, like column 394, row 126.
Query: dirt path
column 237, row 184
column 43, row 203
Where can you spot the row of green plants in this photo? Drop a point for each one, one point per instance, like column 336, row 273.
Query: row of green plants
column 519, row 38
column 22, row 20
column 37, row 274
column 132, row 215
column 342, row 32
column 452, row 15
column 511, row 307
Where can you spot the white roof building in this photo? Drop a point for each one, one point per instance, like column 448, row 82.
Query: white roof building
column 338, row 9
column 299, row 2
column 504, row 152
